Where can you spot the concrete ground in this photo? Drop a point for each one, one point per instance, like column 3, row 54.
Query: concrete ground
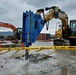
column 57, row 63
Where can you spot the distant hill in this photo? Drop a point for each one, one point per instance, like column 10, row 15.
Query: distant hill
column 6, row 33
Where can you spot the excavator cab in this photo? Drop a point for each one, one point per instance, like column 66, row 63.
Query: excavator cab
column 18, row 33
column 73, row 28
column 72, row 32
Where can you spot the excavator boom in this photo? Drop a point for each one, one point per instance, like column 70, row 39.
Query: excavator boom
column 55, row 12
column 7, row 25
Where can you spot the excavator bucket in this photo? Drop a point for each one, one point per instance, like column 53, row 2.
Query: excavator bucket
column 32, row 26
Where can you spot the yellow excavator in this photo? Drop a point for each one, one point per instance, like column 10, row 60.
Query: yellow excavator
column 66, row 35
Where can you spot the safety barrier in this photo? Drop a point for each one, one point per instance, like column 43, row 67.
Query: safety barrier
column 41, row 48
column 36, row 48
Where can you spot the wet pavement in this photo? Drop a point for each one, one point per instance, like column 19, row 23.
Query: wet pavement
column 39, row 63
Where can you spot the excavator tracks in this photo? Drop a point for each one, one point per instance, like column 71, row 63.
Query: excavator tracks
column 61, row 42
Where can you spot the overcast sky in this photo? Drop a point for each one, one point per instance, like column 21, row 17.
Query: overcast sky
column 11, row 11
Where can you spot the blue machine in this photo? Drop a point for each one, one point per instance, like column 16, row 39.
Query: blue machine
column 32, row 26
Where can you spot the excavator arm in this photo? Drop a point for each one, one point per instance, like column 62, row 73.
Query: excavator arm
column 55, row 12
column 7, row 25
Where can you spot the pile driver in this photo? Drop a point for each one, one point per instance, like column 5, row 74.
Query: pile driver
column 34, row 23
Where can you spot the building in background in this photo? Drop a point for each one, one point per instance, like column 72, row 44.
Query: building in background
column 44, row 37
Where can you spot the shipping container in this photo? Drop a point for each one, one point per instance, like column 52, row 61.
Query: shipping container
column 43, row 37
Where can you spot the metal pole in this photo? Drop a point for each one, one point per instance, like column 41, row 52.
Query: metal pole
column 28, row 34
column 26, row 54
